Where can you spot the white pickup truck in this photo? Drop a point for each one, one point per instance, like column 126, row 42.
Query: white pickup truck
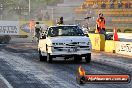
column 66, row 41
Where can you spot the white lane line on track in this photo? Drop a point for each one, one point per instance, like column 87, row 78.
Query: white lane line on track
column 5, row 82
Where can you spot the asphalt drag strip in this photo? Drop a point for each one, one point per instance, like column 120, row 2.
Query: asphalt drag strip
column 57, row 75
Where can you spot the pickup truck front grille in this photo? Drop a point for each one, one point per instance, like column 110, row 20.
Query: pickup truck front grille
column 69, row 44
column 76, row 48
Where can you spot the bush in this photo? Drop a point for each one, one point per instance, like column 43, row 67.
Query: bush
column 22, row 36
column 128, row 31
column 118, row 30
column 109, row 30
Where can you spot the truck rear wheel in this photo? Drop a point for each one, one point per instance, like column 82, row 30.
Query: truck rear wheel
column 88, row 58
column 49, row 58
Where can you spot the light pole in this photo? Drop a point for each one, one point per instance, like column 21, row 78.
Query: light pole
column 25, row 12
column 21, row 11
column 18, row 10
column 29, row 8
column 1, row 10
column 52, row 14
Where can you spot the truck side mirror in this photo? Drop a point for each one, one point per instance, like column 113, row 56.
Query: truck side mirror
column 86, row 35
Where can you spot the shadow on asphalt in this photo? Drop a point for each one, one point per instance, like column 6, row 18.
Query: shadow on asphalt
column 67, row 62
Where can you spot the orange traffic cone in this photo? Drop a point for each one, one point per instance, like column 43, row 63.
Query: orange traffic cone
column 115, row 36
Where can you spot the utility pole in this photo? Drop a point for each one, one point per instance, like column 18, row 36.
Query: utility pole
column 52, row 13
column 29, row 8
column 1, row 11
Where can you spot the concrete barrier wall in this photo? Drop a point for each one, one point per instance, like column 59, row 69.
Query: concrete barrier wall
column 9, row 27
column 119, row 47
column 110, row 46
column 125, row 35
column 124, row 48
column 98, row 41
column 18, row 27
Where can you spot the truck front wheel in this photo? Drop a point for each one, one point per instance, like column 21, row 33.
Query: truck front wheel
column 49, row 58
column 42, row 58
column 88, row 58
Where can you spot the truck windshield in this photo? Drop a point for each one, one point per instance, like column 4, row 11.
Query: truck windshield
column 65, row 31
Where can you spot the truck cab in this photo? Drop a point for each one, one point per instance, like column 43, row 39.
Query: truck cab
column 64, row 41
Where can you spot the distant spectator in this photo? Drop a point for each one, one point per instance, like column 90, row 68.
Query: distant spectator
column 111, row 5
column 84, row 6
column 46, row 16
column 127, row 4
column 120, row 5
column 103, row 6
column 101, row 24
column 95, row 5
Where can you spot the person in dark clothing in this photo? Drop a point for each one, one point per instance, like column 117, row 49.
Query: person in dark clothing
column 101, row 25
column 60, row 21
column 38, row 30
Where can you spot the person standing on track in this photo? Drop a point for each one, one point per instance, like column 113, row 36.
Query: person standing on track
column 100, row 27
column 38, row 30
